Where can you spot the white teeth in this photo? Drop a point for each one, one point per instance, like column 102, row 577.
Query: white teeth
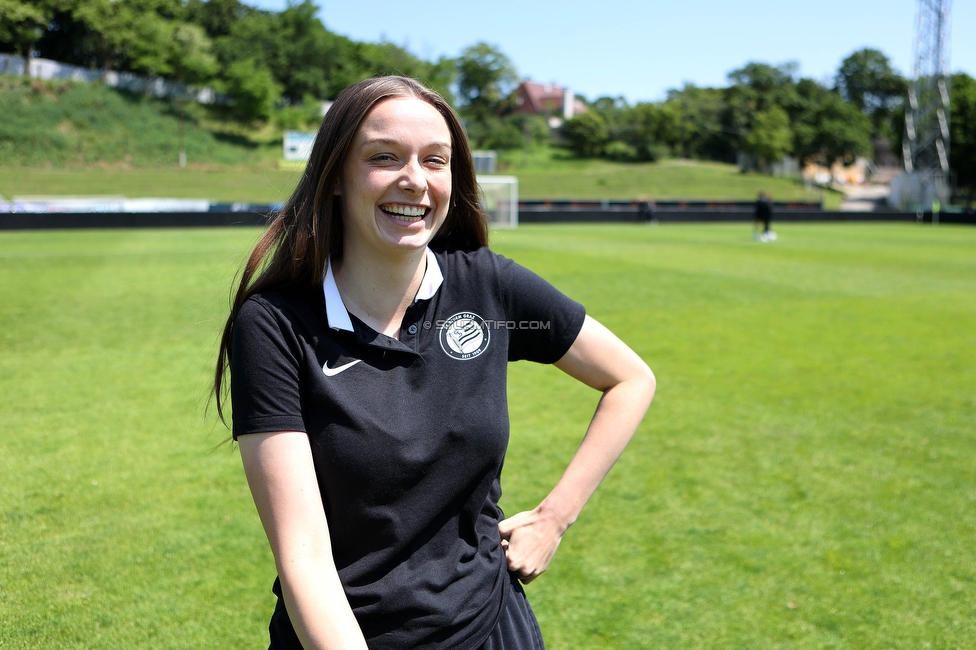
column 405, row 212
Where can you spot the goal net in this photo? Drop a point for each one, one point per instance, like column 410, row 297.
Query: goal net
column 499, row 196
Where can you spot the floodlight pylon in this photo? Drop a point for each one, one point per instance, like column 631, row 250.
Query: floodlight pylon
column 926, row 144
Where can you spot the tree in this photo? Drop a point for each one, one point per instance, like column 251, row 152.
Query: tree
column 441, row 75
column 300, row 55
column 191, row 63
column 755, row 89
column 771, row 137
column 485, row 77
column 68, row 39
column 494, row 132
column 153, row 37
column 867, row 80
column 764, row 85
column 191, row 60
column 217, row 17
column 613, row 110
column 384, row 58
column 643, row 133
column 135, row 35
column 825, row 127
column 962, row 132
column 148, row 49
column 692, row 123
column 252, row 89
column 22, row 24
column 586, row 134
column 534, row 129
column 305, row 58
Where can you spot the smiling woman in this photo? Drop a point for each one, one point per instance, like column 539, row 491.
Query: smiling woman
column 369, row 391
column 396, row 190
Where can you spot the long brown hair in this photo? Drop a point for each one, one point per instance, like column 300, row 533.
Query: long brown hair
column 308, row 229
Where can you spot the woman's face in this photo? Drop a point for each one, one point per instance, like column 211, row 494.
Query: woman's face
column 395, row 185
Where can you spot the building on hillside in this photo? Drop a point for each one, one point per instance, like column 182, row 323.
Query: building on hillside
column 859, row 172
column 554, row 102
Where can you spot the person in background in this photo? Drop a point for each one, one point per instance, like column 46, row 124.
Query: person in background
column 764, row 215
column 645, row 211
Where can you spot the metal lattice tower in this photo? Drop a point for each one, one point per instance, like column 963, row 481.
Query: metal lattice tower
column 926, row 144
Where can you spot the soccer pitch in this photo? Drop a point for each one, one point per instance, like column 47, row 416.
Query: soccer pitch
column 804, row 478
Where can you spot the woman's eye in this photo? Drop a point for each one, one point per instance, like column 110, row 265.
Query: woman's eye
column 382, row 157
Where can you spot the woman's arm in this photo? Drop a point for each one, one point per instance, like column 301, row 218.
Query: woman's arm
column 282, row 478
column 600, row 360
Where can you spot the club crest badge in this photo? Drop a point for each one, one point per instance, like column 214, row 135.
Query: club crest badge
column 464, row 336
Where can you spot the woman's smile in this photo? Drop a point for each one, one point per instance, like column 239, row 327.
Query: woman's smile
column 403, row 212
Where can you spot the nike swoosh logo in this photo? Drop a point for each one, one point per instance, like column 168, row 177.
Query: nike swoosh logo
column 332, row 372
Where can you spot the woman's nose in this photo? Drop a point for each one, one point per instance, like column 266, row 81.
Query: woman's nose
column 413, row 178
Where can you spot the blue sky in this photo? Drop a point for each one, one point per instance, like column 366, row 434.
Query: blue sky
column 641, row 48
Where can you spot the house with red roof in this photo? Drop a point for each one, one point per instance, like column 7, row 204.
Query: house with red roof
column 552, row 101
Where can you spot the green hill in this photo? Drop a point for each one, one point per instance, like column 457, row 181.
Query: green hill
column 65, row 138
column 79, row 124
column 551, row 174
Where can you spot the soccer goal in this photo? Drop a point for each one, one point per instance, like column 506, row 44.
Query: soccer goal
column 499, row 195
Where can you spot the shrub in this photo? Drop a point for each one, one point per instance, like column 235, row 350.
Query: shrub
column 621, row 152
column 586, row 134
column 252, row 89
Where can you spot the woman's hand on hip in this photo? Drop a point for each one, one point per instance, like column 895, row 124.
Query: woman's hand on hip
column 530, row 540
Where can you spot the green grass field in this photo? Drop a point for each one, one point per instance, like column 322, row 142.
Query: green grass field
column 804, row 478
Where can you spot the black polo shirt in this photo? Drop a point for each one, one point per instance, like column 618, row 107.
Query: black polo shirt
column 408, row 436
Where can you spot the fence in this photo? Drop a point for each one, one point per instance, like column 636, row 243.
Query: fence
column 157, row 86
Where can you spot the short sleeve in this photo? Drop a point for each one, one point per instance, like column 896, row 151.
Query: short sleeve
column 544, row 322
column 264, row 372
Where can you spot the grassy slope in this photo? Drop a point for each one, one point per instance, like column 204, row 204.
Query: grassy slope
column 803, row 480
column 546, row 174
column 669, row 180
column 76, row 124
column 80, row 139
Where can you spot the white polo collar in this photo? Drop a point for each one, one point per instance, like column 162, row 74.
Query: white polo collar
column 336, row 310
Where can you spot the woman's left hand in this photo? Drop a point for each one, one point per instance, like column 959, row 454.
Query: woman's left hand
column 530, row 539
column 602, row 361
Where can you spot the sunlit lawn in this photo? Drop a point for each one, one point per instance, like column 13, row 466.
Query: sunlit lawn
column 804, row 478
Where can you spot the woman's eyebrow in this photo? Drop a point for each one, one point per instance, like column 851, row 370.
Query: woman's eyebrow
column 391, row 142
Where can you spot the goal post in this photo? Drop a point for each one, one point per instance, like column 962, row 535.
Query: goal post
column 499, row 196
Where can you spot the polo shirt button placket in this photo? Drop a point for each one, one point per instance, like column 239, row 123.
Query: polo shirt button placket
column 412, row 329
